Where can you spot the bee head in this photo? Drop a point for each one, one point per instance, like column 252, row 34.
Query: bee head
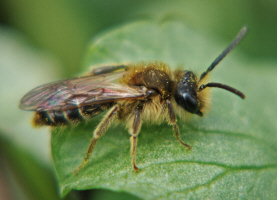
column 185, row 95
column 188, row 86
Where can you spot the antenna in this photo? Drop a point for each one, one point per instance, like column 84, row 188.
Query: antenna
column 238, row 38
column 223, row 86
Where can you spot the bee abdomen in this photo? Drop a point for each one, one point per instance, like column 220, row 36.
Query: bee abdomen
column 50, row 118
column 66, row 117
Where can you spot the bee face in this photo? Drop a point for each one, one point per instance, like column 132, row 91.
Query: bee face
column 185, row 95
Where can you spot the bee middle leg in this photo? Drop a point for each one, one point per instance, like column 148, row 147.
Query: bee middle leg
column 98, row 132
column 172, row 121
column 134, row 131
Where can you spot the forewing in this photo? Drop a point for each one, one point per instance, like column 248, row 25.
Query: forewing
column 77, row 92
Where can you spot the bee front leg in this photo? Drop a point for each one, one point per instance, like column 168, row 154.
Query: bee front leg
column 134, row 131
column 98, row 132
column 172, row 121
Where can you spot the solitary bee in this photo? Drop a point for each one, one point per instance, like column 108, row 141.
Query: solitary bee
column 132, row 93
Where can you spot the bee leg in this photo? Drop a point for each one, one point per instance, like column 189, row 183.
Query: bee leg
column 98, row 132
column 172, row 121
column 134, row 131
column 107, row 69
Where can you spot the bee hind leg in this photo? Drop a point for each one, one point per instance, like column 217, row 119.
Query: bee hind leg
column 107, row 69
column 172, row 121
column 134, row 131
column 98, row 132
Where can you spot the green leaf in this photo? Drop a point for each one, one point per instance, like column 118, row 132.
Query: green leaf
column 233, row 151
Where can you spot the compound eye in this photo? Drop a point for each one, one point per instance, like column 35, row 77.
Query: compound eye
column 191, row 103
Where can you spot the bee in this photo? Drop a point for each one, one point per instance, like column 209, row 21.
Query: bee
column 132, row 93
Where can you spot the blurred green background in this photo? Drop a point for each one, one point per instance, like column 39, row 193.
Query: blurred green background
column 42, row 41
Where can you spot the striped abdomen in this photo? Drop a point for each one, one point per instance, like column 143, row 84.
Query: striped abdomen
column 66, row 117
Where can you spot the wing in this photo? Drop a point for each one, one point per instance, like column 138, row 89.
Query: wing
column 78, row 92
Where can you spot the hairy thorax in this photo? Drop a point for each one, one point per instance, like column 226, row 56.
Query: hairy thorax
column 152, row 76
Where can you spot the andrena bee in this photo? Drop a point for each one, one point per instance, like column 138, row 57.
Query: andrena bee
column 131, row 93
